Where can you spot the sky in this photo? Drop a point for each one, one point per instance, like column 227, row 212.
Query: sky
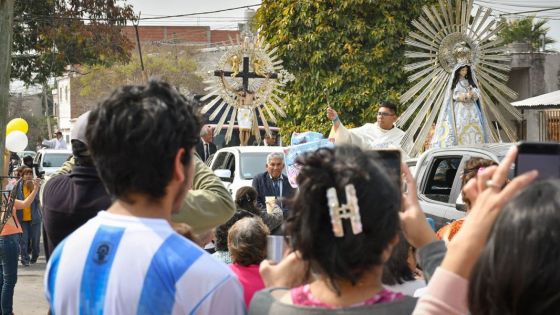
column 229, row 19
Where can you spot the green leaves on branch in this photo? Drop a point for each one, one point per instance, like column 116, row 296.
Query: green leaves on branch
column 526, row 30
column 50, row 35
column 348, row 54
column 175, row 65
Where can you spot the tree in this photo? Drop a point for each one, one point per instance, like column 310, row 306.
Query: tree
column 6, row 19
column 50, row 35
column 526, row 30
column 347, row 54
column 175, row 65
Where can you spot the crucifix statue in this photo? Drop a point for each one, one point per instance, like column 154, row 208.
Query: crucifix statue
column 232, row 88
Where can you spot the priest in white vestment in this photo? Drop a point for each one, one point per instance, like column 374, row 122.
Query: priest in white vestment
column 381, row 135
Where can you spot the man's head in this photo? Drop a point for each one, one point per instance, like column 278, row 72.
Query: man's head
column 247, row 241
column 206, row 133
column 270, row 140
column 275, row 164
column 27, row 176
column 58, row 134
column 79, row 141
column 386, row 115
column 141, row 140
column 28, row 161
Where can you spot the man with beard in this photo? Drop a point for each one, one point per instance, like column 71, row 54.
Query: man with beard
column 128, row 259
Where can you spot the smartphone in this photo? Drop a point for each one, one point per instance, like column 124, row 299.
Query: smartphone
column 390, row 160
column 275, row 247
column 541, row 156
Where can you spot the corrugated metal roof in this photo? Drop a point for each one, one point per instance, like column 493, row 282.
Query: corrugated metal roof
column 551, row 99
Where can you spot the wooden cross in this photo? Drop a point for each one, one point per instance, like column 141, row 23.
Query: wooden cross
column 245, row 74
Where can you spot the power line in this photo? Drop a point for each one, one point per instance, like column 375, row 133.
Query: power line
column 48, row 17
column 532, row 11
column 199, row 13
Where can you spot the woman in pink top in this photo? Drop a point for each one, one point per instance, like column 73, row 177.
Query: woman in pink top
column 9, row 251
column 247, row 247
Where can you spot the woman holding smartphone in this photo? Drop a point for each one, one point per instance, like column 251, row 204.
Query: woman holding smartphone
column 9, row 250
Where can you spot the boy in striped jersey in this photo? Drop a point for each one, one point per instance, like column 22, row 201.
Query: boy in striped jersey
column 128, row 259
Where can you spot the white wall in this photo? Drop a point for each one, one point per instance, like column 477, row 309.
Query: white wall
column 64, row 107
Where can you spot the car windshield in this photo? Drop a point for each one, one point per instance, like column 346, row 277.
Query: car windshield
column 252, row 164
column 55, row 159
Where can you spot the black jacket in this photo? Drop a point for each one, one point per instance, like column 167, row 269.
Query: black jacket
column 263, row 185
column 69, row 201
column 200, row 150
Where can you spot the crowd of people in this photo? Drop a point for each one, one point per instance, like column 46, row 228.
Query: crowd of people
column 128, row 219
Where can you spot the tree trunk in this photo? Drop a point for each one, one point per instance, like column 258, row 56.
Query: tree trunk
column 6, row 20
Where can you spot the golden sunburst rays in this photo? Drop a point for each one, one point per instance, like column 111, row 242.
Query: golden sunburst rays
column 432, row 51
column 248, row 76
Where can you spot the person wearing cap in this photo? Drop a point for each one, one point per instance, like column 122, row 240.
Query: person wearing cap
column 57, row 143
column 208, row 204
column 71, row 199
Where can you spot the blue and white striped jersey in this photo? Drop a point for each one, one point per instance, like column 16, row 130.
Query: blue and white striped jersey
column 118, row 264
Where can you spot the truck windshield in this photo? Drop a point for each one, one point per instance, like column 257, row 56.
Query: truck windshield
column 252, row 164
column 55, row 159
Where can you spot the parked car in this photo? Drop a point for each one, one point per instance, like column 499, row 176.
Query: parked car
column 236, row 166
column 50, row 160
column 438, row 178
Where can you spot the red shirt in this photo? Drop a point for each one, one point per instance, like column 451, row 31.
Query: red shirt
column 250, row 279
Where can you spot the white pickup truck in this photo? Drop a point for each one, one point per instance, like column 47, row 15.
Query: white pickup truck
column 438, row 177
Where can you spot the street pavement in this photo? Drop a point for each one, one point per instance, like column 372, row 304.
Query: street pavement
column 29, row 298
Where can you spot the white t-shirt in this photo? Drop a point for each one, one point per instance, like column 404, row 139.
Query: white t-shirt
column 118, row 264
column 411, row 288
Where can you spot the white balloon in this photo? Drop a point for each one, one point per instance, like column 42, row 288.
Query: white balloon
column 16, row 141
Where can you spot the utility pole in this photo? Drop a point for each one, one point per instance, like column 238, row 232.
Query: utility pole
column 135, row 24
column 47, row 113
column 6, row 20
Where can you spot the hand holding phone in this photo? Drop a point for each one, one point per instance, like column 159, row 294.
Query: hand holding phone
column 541, row 156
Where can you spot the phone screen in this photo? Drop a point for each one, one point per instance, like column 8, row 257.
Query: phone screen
column 543, row 157
column 391, row 162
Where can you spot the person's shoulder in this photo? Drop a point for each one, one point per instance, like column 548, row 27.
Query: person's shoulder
column 56, row 185
column 259, row 176
column 196, row 261
column 270, row 301
column 399, row 130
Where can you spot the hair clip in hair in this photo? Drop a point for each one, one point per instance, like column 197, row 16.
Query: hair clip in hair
column 350, row 210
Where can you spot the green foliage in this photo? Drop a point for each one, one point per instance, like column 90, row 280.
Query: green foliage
column 174, row 65
column 348, row 54
column 526, row 30
column 49, row 35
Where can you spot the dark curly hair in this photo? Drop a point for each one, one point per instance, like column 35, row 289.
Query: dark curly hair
column 135, row 134
column 396, row 269
column 221, row 231
column 309, row 226
column 245, row 199
column 247, row 241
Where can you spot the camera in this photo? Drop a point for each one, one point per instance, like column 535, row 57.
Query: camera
column 38, row 173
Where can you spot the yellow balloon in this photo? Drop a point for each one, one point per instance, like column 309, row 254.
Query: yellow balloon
column 18, row 124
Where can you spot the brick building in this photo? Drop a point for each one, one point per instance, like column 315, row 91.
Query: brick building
column 69, row 104
column 192, row 35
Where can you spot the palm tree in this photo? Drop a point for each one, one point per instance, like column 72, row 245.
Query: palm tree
column 526, row 30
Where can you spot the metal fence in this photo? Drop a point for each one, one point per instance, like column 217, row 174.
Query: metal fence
column 550, row 125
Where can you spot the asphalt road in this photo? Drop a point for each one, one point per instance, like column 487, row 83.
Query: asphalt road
column 29, row 298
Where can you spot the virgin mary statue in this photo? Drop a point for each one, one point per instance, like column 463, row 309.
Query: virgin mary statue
column 461, row 121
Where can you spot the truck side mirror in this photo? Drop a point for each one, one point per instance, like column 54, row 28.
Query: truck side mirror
column 224, row 174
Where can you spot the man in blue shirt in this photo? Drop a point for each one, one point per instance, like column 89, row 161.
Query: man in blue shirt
column 128, row 259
